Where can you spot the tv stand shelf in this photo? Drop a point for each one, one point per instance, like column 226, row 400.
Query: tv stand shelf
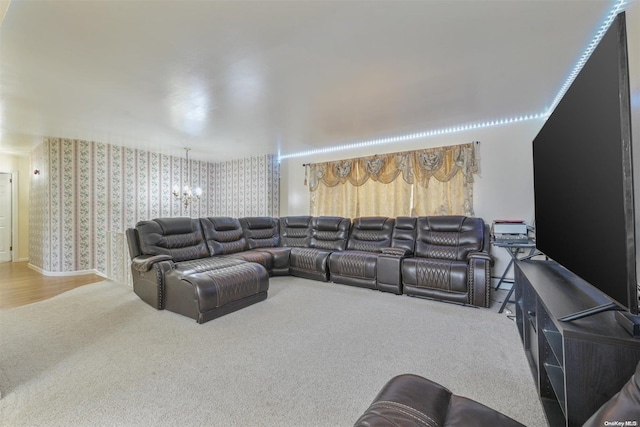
column 578, row 365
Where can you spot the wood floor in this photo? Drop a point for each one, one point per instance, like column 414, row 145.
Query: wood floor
column 20, row 285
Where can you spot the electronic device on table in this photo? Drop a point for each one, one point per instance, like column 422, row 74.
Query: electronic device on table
column 510, row 231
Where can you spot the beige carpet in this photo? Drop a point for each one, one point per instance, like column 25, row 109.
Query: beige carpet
column 312, row 354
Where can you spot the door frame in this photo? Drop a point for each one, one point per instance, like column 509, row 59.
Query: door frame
column 14, row 214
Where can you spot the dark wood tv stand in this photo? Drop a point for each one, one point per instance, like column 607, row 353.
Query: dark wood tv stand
column 578, row 365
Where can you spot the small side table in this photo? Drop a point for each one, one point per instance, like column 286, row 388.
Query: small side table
column 514, row 249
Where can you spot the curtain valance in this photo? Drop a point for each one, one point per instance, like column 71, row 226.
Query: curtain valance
column 419, row 166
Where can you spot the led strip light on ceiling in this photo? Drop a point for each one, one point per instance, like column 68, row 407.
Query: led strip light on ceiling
column 407, row 137
column 617, row 7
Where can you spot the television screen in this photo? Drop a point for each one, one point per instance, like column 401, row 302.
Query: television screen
column 583, row 175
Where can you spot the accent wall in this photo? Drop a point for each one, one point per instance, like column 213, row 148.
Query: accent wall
column 87, row 191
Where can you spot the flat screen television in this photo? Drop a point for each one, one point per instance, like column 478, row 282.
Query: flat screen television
column 583, row 176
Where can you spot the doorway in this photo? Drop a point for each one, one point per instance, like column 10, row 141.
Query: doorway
column 6, row 220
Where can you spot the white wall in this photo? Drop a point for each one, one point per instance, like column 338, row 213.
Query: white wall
column 503, row 189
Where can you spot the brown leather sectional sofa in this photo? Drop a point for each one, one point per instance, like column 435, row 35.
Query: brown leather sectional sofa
column 207, row 267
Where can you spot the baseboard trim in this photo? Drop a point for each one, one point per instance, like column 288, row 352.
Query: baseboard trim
column 65, row 273
column 21, row 260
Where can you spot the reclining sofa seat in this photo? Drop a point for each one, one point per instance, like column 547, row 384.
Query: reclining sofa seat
column 225, row 236
column 324, row 235
column 263, row 235
column 172, row 269
column 451, row 261
column 157, row 247
column 357, row 265
column 295, row 232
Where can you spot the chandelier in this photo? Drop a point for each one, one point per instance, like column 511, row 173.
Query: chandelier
column 187, row 194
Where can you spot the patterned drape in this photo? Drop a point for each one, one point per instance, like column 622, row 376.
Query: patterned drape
column 372, row 186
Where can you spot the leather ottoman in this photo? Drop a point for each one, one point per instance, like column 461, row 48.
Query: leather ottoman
column 206, row 295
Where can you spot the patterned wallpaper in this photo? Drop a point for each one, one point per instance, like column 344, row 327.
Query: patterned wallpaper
column 88, row 189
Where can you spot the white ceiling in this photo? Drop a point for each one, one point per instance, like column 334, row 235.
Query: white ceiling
column 233, row 79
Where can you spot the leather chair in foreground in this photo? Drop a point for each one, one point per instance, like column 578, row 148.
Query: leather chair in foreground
column 410, row 400
column 622, row 407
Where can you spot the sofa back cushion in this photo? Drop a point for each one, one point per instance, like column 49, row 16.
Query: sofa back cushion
column 404, row 234
column 181, row 238
column 260, row 232
column 224, row 235
column 449, row 237
column 370, row 234
column 329, row 232
column 295, row 231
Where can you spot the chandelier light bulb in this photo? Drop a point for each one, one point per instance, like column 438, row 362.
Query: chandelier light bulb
column 188, row 195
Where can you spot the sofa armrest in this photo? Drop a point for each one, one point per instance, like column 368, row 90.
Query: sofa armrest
column 144, row 263
column 396, row 252
column 481, row 255
column 479, row 277
column 389, row 271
